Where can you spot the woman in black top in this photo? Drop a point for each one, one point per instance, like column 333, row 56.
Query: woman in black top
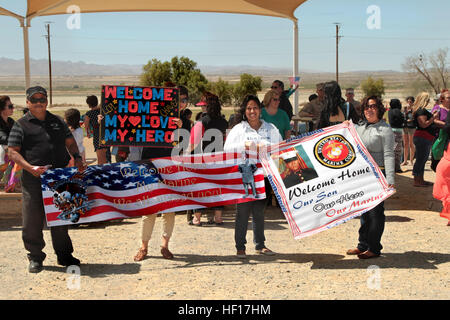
column 426, row 129
column 336, row 110
column 6, row 122
column 9, row 172
column 397, row 121
column 201, row 141
column 408, row 132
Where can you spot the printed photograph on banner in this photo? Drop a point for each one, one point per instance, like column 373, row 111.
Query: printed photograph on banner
column 294, row 165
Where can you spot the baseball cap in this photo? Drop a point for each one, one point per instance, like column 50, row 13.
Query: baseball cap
column 33, row 90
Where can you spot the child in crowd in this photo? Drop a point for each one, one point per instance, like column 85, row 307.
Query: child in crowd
column 72, row 118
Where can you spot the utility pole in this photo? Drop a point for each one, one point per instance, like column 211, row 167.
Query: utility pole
column 338, row 27
column 47, row 26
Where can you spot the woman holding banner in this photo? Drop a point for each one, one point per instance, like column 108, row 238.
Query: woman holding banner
column 378, row 138
column 249, row 131
column 148, row 221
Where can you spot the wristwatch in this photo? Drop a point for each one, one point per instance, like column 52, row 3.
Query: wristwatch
column 76, row 156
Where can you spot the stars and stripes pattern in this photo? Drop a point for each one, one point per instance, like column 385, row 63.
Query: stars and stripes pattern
column 130, row 189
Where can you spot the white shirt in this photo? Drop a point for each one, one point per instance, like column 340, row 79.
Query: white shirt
column 242, row 132
column 78, row 136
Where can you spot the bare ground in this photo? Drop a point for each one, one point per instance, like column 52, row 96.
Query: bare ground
column 415, row 263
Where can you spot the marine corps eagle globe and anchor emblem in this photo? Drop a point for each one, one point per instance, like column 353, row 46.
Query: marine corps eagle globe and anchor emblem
column 334, row 152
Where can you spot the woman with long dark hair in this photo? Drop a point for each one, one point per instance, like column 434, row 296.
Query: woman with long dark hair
column 251, row 129
column 9, row 171
column 201, row 141
column 336, row 110
column 378, row 138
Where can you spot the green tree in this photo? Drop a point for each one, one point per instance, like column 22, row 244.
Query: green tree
column 248, row 84
column 182, row 71
column 155, row 73
column 223, row 89
column 372, row 87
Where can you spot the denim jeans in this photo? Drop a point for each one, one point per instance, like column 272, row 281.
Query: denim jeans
column 423, row 148
column 256, row 209
column 371, row 230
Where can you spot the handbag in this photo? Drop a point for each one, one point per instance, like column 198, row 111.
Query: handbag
column 439, row 145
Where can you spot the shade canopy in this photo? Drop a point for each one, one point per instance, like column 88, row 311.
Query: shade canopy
column 274, row 8
column 278, row 8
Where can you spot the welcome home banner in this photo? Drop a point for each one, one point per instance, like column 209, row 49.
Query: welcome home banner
column 324, row 179
column 131, row 189
column 139, row 116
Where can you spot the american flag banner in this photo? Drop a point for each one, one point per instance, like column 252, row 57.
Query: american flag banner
column 131, row 189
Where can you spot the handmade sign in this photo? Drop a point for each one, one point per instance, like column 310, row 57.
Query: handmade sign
column 324, row 178
column 139, row 116
column 130, row 189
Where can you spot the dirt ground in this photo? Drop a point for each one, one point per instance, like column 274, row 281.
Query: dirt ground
column 415, row 262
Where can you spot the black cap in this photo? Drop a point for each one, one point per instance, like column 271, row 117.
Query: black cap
column 33, row 90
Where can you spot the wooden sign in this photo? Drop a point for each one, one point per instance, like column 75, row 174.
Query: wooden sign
column 139, row 116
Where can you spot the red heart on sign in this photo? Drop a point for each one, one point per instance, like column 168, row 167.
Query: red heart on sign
column 134, row 120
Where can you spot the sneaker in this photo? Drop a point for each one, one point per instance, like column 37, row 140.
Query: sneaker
column 241, row 254
column 68, row 261
column 266, row 252
column 35, row 266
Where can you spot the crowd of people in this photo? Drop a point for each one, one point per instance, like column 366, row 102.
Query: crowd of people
column 41, row 139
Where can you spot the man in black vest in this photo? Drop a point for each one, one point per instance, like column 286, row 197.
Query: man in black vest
column 38, row 141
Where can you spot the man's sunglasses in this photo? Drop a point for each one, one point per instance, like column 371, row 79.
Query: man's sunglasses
column 36, row 100
column 273, row 87
column 11, row 106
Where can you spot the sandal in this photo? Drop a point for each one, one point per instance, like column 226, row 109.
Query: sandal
column 140, row 255
column 166, row 253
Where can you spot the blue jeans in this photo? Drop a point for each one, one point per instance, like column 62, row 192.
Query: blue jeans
column 423, row 148
column 256, row 209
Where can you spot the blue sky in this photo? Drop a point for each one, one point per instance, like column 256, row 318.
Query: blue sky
column 407, row 27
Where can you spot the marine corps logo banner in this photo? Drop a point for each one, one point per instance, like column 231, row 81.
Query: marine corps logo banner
column 324, row 178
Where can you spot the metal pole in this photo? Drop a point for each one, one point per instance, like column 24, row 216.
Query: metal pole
column 295, row 71
column 337, row 53
column 26, row 51
column 338, row 25
column 49, row 64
